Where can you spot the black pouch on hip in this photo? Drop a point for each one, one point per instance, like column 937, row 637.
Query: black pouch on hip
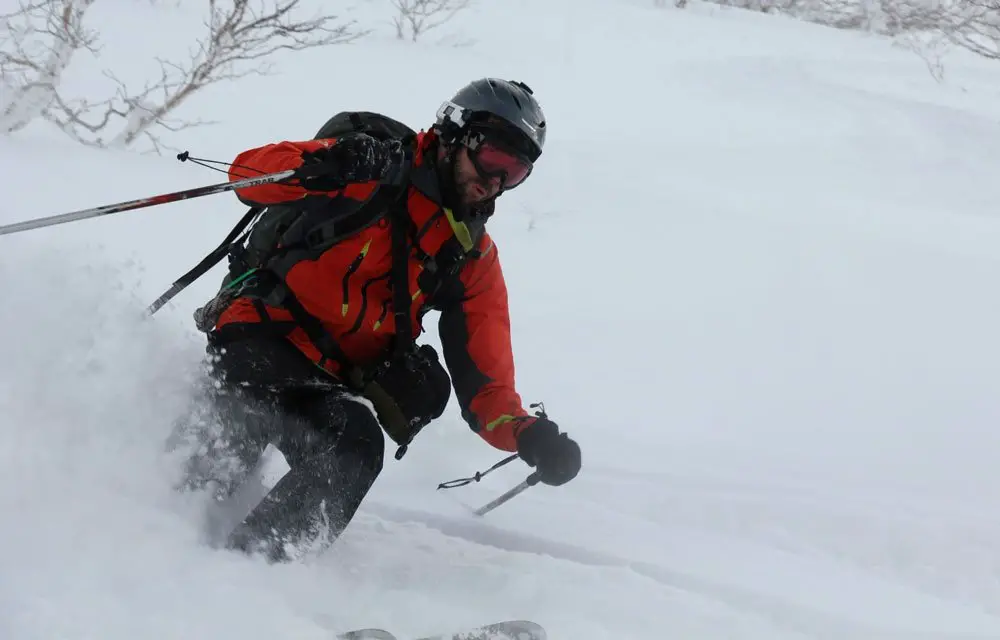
column 408, row 391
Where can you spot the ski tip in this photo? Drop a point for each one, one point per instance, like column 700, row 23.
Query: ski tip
column 366, row 634
column 503, row 630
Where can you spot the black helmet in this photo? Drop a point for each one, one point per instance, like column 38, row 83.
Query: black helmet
column 490, row 100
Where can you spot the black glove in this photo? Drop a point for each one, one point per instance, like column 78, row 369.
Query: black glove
column 556, row 457
column 352, row 158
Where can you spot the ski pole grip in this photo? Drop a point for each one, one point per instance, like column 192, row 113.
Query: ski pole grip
column 313, row 170
column 534, row 478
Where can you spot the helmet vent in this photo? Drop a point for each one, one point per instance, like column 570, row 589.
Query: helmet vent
column 526, row 88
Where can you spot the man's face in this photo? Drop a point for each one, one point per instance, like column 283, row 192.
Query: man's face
column 471, row 187
column 484, row 164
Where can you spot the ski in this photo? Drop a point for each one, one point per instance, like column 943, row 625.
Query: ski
column 505, row 630
column 366, row 634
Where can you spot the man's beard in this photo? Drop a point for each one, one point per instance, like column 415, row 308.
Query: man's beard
column 465, row 189
column 455, row 191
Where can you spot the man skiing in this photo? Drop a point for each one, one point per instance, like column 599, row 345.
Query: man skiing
column 312, row 335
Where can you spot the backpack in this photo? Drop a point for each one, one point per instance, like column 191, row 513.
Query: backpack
column 253, row 241
column 298, row 226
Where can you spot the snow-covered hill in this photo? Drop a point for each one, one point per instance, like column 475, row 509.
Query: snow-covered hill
column 753, row 275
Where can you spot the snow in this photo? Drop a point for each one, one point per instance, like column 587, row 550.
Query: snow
column 752, row 275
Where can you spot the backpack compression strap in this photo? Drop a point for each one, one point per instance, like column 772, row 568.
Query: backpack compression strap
column 207, row 262
column 400, row 277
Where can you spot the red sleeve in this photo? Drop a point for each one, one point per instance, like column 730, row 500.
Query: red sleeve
column 282, row 156
column 475, row 336
column 271, row 158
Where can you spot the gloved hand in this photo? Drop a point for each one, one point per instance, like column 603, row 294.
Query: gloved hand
column 353, row 158
column 556, row 457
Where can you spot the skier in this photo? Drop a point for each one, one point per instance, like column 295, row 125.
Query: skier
column 312, row 345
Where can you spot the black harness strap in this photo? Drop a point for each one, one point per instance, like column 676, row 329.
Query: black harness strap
column 321, row 338
column 207, row 262
column 400, row 278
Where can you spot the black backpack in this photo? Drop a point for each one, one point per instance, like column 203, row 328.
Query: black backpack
column 252, row 243
column 301, row 226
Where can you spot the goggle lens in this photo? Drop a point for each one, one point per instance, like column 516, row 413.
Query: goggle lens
column 494, row 160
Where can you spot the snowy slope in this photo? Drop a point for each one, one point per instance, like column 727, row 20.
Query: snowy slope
column 752, row 276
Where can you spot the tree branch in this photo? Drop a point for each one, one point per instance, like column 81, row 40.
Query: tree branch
column 423, row 15
column 39, row 41
column 240, row 38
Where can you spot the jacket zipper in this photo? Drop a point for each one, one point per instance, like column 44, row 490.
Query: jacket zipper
column 354, row 266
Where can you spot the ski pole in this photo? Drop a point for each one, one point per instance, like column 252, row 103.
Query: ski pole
column 490, row 506
column 461, row 482
column 197, row 192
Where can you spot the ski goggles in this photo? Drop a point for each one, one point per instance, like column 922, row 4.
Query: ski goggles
column 493, row 159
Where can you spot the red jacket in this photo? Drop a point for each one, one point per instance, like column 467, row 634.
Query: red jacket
column 347, row 288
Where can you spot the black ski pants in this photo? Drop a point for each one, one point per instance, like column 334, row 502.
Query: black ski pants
column 270, row 392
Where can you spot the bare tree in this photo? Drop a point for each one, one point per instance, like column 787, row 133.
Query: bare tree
column 419, row 16
column 930, row 28
column 927, row 27
column 37, row 42
column 239, row 40
column 973, row 25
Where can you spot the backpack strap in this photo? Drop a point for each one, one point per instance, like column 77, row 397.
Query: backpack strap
column 208, row 261
column 281, row 296
column 400, row 277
